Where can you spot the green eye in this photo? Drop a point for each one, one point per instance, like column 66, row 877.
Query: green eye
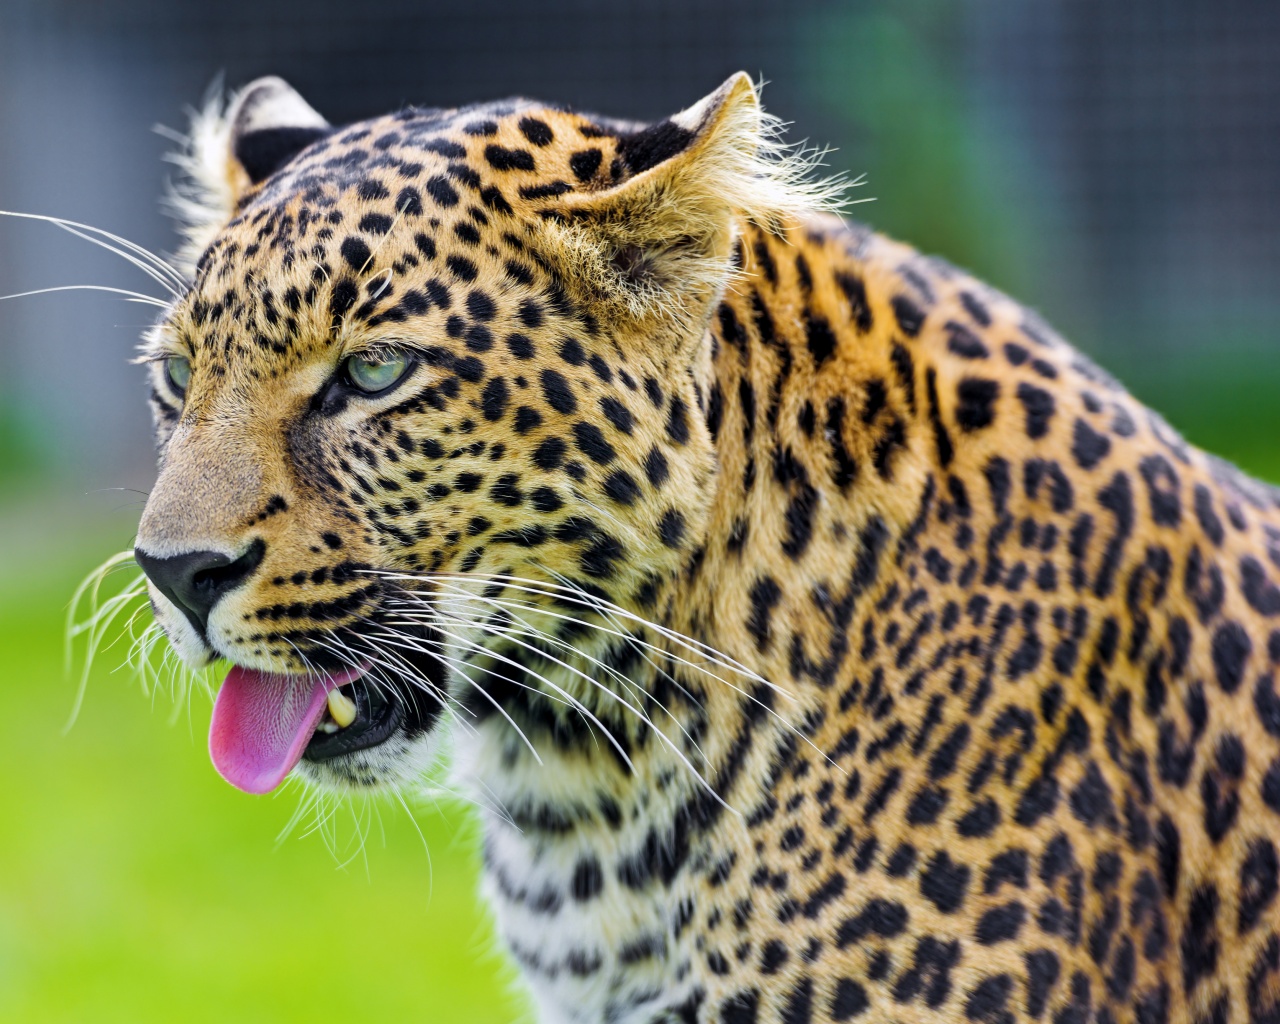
column 377, row 371
column 178, row 370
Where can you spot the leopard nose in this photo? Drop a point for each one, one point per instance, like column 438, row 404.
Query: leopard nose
column 197, row 580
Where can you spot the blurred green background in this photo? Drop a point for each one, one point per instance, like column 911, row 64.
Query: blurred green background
column 1115, row 166
column 135, row 885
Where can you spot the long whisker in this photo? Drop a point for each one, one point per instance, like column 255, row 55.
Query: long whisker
column 131, row 296
column 615, row 629
column 632, row 691
column 161, row 265
column 460, row 667
column 386, row 666
column 433, row 650
column 431, row 873
column 573, row 595
column 722, row 659
column 715, row 657
column 415, row 644
column 95, row 618
column 310, row 797
column 377, row 248
column 160, row 276
column 638, row 712
column 582, row 599
column 689, row 643
column 530, row 631
column 390, row 665
column 577, row 705
column 140, row 254
column 619, row 632
column 101, row 615
column 377, row 668
column 643, row 649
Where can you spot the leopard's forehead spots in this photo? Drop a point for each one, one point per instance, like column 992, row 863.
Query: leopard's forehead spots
column 411, row 224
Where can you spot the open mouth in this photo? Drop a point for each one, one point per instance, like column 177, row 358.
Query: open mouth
column 264, row 723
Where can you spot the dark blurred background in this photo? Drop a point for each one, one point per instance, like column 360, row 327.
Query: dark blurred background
column 1116, row 165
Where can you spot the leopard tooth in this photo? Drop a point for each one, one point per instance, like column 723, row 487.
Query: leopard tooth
column 342, row 708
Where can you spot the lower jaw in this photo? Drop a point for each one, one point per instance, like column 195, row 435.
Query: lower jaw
column 387, row 706
column 378, row 716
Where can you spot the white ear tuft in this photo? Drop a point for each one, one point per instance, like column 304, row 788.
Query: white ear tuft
column 748, row 167
column 659, row 243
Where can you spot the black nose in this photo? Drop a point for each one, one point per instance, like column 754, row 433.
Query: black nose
column 197, row 580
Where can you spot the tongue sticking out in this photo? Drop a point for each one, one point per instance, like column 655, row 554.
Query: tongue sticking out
column 262, row 724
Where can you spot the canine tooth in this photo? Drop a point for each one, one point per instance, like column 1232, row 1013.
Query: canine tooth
column 342, row 708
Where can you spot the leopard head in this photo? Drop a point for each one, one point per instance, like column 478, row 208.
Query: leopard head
column 430, row 403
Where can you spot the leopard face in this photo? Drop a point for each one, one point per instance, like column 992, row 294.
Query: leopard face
column 426, row 353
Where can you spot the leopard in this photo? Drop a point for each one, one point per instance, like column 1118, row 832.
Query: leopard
column 818, row 635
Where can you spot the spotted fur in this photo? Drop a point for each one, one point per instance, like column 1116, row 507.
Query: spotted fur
column 991, row 729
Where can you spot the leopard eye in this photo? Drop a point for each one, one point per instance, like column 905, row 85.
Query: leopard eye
column 376, row 371
column 178, row 370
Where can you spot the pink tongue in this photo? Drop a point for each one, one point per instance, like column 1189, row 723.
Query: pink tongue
column 262, row 724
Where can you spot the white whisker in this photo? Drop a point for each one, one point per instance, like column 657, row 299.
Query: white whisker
column 633, row 691
column 144, row 259
column 615, row 615
column 731, row 664
column 457, row 666
column 131, row 296
column 578, row 706
column 624, row 635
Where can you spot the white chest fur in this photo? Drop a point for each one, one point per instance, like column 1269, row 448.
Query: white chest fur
column 570, row 870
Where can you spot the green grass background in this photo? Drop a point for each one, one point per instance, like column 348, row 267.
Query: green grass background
column 135, row 885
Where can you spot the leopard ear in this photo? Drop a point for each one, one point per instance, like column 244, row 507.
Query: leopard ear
column 659, row 243
column 232, row 148
column 270, row 125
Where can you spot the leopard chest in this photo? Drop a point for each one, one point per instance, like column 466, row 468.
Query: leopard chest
column 592, row 884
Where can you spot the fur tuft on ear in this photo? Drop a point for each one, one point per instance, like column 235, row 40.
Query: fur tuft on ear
column 750, row 169
column 659, row 243
column 234, row 144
